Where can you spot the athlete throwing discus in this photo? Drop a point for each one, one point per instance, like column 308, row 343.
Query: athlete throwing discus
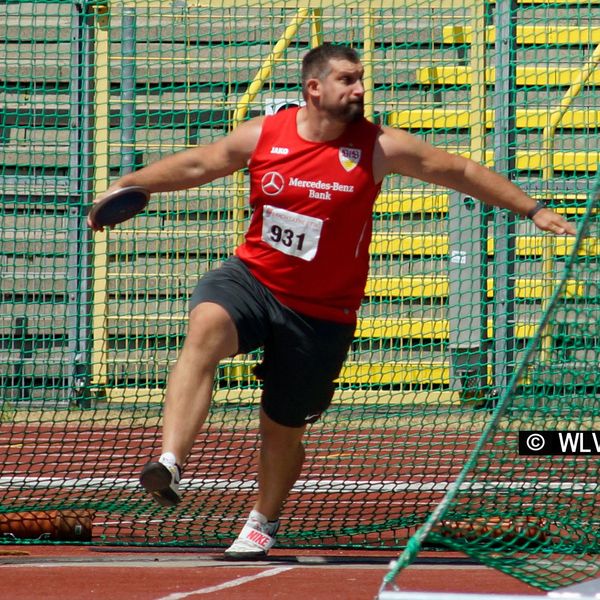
column 295, row 284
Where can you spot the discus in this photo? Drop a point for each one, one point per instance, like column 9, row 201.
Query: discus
column 119, row 206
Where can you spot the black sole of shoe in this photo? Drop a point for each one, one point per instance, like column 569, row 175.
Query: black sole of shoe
column 166, row 498
column 156, row 479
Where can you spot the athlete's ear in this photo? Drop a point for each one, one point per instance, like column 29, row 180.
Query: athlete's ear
column 313, row 87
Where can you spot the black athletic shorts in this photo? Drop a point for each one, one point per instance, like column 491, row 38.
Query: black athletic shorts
column 302, row 355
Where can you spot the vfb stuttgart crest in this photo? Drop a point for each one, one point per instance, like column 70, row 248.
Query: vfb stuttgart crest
column 349, row 158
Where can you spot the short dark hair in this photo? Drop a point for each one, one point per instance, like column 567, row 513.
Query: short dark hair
column 315, row 63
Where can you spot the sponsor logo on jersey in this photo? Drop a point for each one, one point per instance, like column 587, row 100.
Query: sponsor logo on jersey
column 349, row 157
column 321, row 186
column 272, row 183
column 279, row 150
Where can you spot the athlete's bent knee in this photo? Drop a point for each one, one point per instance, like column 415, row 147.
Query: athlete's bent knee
column 211, row 329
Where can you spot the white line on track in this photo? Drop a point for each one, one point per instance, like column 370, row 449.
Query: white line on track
column 226, row 585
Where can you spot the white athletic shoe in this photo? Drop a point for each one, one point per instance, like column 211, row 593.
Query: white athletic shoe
column 255, row 540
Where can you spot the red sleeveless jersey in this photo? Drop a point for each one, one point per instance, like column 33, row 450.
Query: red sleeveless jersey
column 308, row 239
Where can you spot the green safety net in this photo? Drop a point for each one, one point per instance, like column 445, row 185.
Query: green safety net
column 534, row 513
column 90, row 325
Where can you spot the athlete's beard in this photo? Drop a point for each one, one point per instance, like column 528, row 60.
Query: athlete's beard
column 353, row 111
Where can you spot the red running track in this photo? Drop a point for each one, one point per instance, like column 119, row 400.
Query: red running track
column 80, row 573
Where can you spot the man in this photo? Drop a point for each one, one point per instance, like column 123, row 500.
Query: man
column 297, row 281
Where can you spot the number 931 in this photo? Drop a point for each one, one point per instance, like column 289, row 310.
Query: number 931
column 287, row 237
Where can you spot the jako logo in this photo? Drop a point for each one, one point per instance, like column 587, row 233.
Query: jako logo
column 272, row 183
column 279, row 150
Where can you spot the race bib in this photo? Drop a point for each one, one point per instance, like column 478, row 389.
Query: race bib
column 290, row 232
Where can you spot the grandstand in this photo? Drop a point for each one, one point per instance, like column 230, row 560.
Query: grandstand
column 186, row 79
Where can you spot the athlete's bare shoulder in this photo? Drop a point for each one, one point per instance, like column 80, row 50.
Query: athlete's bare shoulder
column 245, row 136
column 397, row 151
column 397, row 142
column 390, row 143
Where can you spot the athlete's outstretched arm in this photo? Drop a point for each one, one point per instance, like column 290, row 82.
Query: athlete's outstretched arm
column 196, row 166
column 200, row 165
column 397, row 151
